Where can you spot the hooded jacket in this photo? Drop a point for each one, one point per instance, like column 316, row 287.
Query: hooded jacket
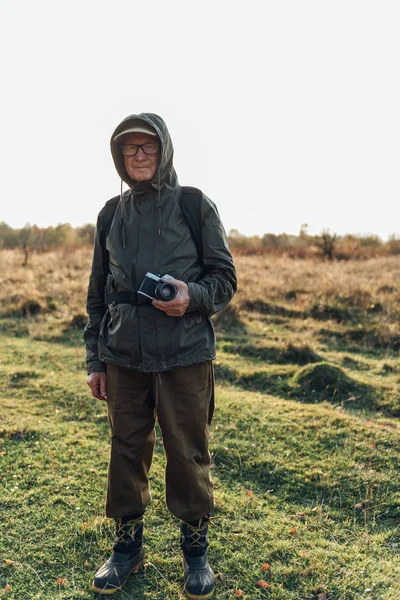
column 144, row 229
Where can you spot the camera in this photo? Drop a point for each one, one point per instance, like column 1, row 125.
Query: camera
column 155, row 288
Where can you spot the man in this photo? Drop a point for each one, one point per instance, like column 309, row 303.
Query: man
column 151, row 358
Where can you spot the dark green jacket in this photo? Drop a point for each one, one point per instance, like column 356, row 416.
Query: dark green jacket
column 145, row 230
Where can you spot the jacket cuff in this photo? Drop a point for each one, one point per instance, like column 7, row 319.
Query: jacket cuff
column 96, row 366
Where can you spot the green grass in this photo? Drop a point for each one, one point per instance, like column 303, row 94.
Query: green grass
column 305, row 446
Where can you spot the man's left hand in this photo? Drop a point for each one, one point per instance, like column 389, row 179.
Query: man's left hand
column 178, row 306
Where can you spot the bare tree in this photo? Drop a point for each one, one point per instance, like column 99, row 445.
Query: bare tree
column 327, row 244
column 24, row 236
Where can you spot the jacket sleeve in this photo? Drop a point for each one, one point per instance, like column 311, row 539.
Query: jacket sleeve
column 218, row 285
column 95, row 305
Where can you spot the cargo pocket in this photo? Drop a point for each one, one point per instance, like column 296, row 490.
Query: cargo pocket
column 123, row 334
column 116, row 280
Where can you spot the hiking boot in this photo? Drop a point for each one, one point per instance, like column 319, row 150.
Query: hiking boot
column 127, row 557
column 199, row 577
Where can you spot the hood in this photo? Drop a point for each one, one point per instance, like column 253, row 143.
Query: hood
column 165, row 175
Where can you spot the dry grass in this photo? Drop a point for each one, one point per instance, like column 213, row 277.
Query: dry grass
column 363, row 294
column 359, row 283
column 55, row 281
column 301, row 302
column 63, row 275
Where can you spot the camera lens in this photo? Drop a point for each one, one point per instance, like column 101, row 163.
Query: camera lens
column 165, row 291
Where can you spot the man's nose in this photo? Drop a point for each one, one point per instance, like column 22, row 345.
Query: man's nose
column 140, row 155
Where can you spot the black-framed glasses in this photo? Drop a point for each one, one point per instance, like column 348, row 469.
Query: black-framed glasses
column 149, row 148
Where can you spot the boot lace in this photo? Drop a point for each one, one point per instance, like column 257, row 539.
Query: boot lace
column 196, row 537
column 126, row 531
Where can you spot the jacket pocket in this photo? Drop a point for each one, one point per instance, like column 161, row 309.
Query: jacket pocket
column 104, row 323
column 193, row 318
column 116, row 280
column 119, row 340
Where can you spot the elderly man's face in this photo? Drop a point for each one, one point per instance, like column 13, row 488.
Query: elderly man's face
column 142, row 166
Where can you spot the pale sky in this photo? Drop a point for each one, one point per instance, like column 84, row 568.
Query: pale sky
column 282, row 111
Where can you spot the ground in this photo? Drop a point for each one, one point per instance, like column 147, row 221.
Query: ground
column 304, row 442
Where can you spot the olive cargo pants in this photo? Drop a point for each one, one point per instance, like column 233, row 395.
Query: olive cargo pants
column 183, row 401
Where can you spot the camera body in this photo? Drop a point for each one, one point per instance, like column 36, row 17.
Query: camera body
column 154, row 287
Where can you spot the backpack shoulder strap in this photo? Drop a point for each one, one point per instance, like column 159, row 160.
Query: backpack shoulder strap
column 107, row 215
column 191, row 206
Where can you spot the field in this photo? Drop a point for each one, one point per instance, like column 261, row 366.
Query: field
column 305, row 438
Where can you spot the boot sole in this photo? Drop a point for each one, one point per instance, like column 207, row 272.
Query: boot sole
column 195, row 596
column 104, row 592
column 192, row 597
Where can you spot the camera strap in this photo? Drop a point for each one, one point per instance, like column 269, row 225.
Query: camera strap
column 126, row 298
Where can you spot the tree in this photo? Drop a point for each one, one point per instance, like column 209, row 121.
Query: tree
column 393, row 244
column 327, row 243
column 85, row 234
column 24, row 236
column 8, row 236
column 304, row 230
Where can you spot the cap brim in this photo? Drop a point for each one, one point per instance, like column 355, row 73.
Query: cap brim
column 135, row 130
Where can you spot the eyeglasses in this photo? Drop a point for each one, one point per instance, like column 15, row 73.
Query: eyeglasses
column 149, row 148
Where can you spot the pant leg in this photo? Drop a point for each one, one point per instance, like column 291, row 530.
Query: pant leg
column 131, row 415
column 185, row 404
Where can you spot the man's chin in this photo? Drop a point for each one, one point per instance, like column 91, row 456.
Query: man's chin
column 142, row 176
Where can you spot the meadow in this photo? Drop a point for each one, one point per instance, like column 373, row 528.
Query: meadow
column 305, row 437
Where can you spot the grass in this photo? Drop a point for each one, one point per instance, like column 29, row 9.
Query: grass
column 305, row 439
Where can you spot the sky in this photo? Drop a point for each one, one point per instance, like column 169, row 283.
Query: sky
column 282, row 112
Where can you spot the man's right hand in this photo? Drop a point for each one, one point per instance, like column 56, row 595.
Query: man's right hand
column 98, row 385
